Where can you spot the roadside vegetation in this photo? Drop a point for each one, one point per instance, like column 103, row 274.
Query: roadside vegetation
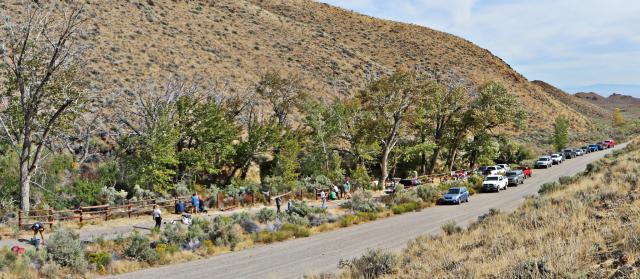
column 585, row 226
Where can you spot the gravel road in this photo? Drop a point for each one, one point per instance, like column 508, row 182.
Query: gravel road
column 321, row 252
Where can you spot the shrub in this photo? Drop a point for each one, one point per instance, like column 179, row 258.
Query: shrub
column 295, row 219
column 361, row 201
column 549, row 187
column 139, row 249
column 406, row 196
column 65, row 249
column 366, row 216
column 347, row 220
column 102, row 260
column 451, row 227
column 238, row 217
column 317, row 219
column 303, row 209
column 428, row 193
column 265, row 215
column 224, row 233
column 373, row 264
column 50, row 270
column 405, row 207
column 296, row 230
column 564, row 180
column 175, row 234
column 360, row 178
column 475, row 183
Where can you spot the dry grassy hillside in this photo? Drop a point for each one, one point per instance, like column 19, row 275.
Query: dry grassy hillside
column 589, row 109
column 335, row 50
column 630, row 106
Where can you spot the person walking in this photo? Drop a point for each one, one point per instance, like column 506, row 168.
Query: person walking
column 278, row 204
column 347, row 188
column 157, row 216
column 289, row 206
column 323, row 196
column 195, row 203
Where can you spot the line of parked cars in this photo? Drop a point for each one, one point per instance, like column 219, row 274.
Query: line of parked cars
column 501, row 176
column 570, row 153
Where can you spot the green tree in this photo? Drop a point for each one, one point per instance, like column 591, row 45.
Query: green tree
column 43, row 89
column 618, row 118
column 322, row 126
column 283, row 94
column 560, row 133
column 387, row 102
column 287, row 161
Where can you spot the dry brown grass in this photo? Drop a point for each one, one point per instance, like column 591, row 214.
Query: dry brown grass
column 590, row 229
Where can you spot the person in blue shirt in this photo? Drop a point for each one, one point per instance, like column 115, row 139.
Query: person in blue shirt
column 195, row 202
column 180, row 208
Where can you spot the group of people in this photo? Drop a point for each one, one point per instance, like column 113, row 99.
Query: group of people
column 342, row 192
column 181, row 208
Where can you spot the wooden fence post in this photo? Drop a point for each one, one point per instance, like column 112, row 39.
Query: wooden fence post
column 50, row 218
column 129, row 210
column 81, row 214
column 106, row 216
column 19, row 218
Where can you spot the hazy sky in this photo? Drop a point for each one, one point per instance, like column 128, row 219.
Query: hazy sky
column 569, row 43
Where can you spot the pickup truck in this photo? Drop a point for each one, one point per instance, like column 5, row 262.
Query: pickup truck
column 493, row 170
column 495, row 183
column 557, row 158
column 569, row 153
column 544, row 162
column 610, row 143
column 505, row 167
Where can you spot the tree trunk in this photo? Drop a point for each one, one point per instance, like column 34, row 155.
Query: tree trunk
column 452, row 159
column 384, row 165
column 25, row 187
column 434, row 159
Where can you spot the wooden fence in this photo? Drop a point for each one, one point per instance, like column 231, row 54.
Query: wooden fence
column 106, row 212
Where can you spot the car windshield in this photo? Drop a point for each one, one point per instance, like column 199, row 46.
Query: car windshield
column 568, row 150
column 543, row 159
column 454, row 191
column 512, row 173
column 492, row 178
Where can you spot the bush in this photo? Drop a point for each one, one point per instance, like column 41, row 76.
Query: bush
column 475, row 183
column 373, row 264
column 238, row 217
column 102, row 260
column 428, row 193
column 361, row 201
column 224, row 233
column 285, row 232
column 175, row 234
column 296, row 230
column 564, row 180
column 348, row 220
column 139, row 249
column 405, row 207
column 360, row 178
column 65, row 249
column 317, row 219
column 406, row 196
column 451, row 227
column 295, row 219
column 266, row 215
column 549, row 187
column 302, row 209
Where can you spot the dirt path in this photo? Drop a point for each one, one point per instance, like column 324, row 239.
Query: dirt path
column 321, row 252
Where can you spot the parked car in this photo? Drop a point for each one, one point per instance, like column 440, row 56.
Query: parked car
column 557, row 158
column 569, row 153
column 456, row 195
column 410, row 182
column 586, row 149
column 593, row 147
column 544, row 162
column 493, row 170
column 506, row 167
column 527, row 171
column 602, row 145
column 494, row 183
column 515, row 177
column 610, row 143
column 580, row 152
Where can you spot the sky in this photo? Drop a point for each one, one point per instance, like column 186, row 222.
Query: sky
column 577, row 45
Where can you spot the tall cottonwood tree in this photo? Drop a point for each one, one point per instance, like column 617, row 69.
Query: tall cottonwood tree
column 43, row 91
column 388, row 102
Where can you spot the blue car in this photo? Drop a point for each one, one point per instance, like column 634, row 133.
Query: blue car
column 593, row 148
column 456, row 195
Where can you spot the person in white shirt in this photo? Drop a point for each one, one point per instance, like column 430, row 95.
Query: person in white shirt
column 323, row 196
column 157, row 216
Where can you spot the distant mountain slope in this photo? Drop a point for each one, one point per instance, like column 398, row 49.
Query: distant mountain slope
column 590, row 109
column 629, row 105
column 336, row 51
